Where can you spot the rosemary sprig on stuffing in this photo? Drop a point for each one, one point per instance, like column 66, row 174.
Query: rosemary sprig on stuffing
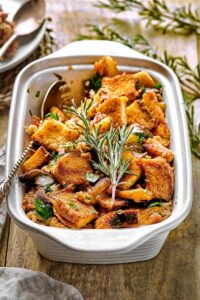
column 184, row 19
column 189, row 78
column 108, row 146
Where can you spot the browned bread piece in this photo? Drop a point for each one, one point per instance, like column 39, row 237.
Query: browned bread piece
column 39, row 158
column 137, row 195
column 118, row 219
column 53, row 134
column 137, row 114
column 106, row 66
column 155, row 148
column 162, row 130
column 117, row 86
column 71, row 212
column 136, row 171
column 143, row 79
column 116, row 109
column 72, row 168
column 154, row 214
column 159, row 177
column 150, row 104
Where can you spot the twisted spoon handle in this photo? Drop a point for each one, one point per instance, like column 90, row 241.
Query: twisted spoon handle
column 5, row 185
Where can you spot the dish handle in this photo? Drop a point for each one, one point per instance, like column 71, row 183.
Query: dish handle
column 97, row 47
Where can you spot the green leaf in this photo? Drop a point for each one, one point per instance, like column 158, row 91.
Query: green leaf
column 44, row 210
column 55, row 155
column 155, row 204
column 92, row 177
column 48, row 188
column 52, row 115
column 158, row 86
column 95, row 82
column 73, row 205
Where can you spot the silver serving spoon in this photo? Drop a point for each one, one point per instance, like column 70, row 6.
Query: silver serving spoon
column 27, row 20
column 52, row 98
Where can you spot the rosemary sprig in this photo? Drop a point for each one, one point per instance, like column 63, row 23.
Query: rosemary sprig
column 184, row 19
column 108, row 147
column 189, row 78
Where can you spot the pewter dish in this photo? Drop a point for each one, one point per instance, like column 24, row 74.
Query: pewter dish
column 97, row 246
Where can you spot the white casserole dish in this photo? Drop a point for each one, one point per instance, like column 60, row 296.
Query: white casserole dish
column 89, row 245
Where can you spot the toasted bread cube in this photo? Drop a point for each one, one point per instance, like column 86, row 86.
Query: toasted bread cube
column 53, row 135
column 117, row 86
column 118, row 219
column 39, row 158
column 72, row 212
column 137, row 195
column 150, row 103
column 130, row 179
column 106, row 66
column 163, row 131
column 116, row 109
column 72, row 168
column 104, row 124
column 136, row 114
column 59, row 113
column 106, row 202
column 159, row 178
column 155, row 148
column 144, row 80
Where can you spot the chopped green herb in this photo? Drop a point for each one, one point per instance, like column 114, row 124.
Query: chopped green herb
column 141, row 136
column 155, row 204
column 44, row 210
column 158, row 86
column 52, row 115
column 88, row 197
column 37, row 94
column 58, row 76
column 92, row 177
column 143, row 89
column 95, row 82
column 55, row 155
column 73, row 205
column 119, row 211
column 48, row 188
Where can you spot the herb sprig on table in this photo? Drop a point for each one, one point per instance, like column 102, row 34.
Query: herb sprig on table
column 157, row 13
column 189, row 78
column 108, row 146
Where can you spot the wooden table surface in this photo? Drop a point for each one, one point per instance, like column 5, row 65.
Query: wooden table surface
column 175, row 272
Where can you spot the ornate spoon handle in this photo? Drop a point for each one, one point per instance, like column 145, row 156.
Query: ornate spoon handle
column 5, row 185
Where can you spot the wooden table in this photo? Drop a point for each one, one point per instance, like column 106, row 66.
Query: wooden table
column 175, row 272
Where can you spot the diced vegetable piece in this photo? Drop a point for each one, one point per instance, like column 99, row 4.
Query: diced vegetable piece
column 39, row 158
column 53, row 134
column 72, row 168
column 154, row 214
column 72, row 212
column 137, row 195
column 118, row 219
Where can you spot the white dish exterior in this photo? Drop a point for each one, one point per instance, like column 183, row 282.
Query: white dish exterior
column 26, row 44
column 89, row 245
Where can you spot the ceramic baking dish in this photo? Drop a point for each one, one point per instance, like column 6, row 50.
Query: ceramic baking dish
column 89, row 245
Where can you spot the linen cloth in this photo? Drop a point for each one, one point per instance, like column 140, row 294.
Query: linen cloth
column 24, row 284
column 3, row 204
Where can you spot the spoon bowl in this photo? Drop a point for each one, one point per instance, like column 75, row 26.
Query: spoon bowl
column 29, row 17
column 27, row 20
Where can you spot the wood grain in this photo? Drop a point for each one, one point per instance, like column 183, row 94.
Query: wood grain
column 175, row 273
